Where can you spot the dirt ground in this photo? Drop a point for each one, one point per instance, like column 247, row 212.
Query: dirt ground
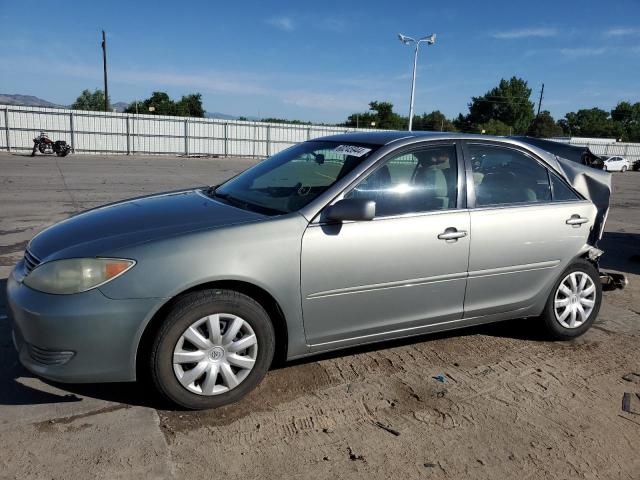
column 512, row 404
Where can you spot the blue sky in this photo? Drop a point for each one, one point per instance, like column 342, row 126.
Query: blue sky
column 321, row 60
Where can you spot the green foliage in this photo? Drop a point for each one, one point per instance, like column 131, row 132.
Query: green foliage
column 380, row 114
column 626, row 119
column 284, row 120
column 495, row 127
column 91, row 101
column 544, row 126
column 190, row 106
column 508, row 103
column 161, row 104
column 434, row 121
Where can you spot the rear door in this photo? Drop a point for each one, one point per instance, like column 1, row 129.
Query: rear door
column 527, row 224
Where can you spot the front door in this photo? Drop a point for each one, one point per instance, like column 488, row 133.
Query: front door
column 404, row 270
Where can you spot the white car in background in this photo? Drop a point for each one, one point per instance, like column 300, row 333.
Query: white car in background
column 616, row 164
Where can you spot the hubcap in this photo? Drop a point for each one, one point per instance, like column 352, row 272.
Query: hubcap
column 215, row 354
column 574, row 299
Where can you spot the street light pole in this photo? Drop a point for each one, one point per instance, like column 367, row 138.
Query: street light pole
column 429, row 40
column 104, row 66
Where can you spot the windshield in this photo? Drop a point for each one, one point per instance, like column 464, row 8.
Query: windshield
column 294, row 177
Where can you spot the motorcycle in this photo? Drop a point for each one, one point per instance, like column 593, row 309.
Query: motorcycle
column 47, row 146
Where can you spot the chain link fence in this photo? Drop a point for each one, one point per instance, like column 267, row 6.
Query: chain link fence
column 120, row 133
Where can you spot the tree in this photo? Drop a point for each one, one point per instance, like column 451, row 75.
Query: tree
column 434, row 121
column 91, row 101
column 626, row 119
column 591, row 122
column 161, row 104
column 190, row 106
column 495, row 127
column 508, row 103
column 544, row 126
column 381, row 114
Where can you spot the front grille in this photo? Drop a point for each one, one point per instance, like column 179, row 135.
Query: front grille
column 30, row 262
column 49, row 357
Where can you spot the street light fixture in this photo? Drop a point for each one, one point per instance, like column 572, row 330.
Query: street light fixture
column 429, row 40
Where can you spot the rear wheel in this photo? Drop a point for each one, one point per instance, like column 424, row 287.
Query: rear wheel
column 574, row 302
column 214, row 347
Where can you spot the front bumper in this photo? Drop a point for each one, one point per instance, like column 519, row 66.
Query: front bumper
column 85, row 337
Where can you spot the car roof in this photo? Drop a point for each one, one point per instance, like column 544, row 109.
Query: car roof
column 383, row 137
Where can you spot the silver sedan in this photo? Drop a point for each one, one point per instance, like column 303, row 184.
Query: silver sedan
column 334, row 242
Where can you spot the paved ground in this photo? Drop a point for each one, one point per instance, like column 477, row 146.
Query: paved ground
column 513, row 404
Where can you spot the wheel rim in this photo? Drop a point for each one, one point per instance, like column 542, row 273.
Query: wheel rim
column 215, row 354
column 574, row 300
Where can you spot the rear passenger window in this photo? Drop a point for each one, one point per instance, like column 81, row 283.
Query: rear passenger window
column 420, row 181
column 561, row 192
column 503, row 176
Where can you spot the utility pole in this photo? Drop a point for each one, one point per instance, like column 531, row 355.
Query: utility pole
column 104, row 63
column 540, row 101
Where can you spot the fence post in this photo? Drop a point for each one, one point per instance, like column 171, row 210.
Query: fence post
column 186, row 137
column 73, row 133
column 309, row 133
column 128, row 137
column 6, row 127
column 268, row 140
column 255, row 140
column 226, row 139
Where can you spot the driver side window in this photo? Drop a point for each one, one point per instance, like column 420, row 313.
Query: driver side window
column 419, row 181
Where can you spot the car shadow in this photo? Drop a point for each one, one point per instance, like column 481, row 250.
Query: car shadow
column 14, row 378
column 621, row 252
column 14, row 391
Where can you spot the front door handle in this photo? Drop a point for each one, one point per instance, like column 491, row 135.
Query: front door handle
column 452, row 234
column 576, row 220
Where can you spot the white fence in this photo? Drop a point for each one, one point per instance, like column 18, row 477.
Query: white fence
column 605, row 148
column 105, row 132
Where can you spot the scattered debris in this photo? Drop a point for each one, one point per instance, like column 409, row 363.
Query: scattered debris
column 631, row 403
column 440, row 378
column 387, row 428
column 354, row 457
column 430, row 465
column 632, row 377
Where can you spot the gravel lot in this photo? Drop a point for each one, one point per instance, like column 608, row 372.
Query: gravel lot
column 513, row 403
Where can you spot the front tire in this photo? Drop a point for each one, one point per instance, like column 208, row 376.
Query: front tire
column 624, row 168
column 574, row 302
column 214, row 347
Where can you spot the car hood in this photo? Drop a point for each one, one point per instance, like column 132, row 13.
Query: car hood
column 138, row 220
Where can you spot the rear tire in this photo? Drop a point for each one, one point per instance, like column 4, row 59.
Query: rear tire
column 585, row 299
column 227, row 374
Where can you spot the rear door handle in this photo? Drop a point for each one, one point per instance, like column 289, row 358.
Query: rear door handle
column 576, row 220
column 452, row 234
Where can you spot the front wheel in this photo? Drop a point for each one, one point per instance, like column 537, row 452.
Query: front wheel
column 214, row 347
column 624, row 168
column 574, row 302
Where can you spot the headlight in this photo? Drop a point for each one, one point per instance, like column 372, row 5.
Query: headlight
column 75, row 275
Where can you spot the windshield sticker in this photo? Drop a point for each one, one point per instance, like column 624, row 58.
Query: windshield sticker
column 352, row 150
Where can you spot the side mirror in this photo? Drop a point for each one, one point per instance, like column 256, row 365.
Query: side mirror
column 351, row 209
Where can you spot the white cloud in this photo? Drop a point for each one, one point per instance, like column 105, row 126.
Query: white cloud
column 282, row 23
column 622, row 32
column 539, row 32
column 583, row 52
